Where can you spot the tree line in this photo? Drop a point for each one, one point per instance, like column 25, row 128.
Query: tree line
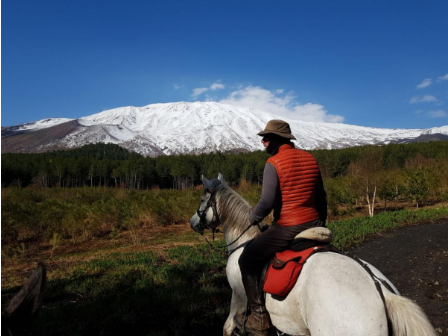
column 102, row 165
column 108, row 165
column 94, row 190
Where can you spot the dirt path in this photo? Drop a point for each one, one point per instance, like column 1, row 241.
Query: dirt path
column 415, row 259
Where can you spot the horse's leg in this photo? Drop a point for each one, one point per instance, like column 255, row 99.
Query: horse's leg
column 239, row 300
column 340, row 298
column 237, row 306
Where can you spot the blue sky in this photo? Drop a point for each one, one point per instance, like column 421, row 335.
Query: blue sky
column 370, row 63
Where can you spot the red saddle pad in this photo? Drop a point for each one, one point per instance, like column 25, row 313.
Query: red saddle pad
column 284, row 270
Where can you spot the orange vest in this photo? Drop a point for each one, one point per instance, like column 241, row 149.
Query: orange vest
column 297, row 172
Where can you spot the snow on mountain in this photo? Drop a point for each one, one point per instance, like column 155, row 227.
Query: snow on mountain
column 40, row 124
column 202, row 127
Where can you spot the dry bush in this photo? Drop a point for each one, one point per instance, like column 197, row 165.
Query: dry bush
column 146, row 219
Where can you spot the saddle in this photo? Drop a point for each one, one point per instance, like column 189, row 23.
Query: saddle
column 282, row 272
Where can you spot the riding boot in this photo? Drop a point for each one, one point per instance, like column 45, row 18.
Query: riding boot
column 258, row 322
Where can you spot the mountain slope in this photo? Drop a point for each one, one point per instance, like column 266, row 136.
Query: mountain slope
column 199, row 127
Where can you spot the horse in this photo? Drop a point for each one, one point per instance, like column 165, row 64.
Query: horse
column 23, row 307
column 334, row 294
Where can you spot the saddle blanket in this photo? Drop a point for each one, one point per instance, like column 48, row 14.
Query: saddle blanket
column 285, row 268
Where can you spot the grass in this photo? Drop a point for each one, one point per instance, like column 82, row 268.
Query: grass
column 177, row 291
column 352, row 232
column 169, row 284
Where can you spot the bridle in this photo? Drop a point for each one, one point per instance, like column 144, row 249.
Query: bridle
column 214, row 223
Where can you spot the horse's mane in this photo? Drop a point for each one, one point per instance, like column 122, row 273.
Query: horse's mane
column 233, row 212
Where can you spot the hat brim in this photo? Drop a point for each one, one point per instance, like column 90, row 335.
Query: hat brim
column 283, row 135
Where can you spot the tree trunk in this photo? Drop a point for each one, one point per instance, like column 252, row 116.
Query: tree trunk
column 371, row 206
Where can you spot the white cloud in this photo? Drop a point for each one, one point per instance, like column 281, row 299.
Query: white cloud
column 198, row 91
column 217, row 86
column 442, row 78
column 437, row 114
column 426, row 82
column 178, row 86
column 424, row 99
column 278, row 103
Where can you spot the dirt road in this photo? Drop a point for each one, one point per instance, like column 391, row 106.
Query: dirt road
column 415, row 259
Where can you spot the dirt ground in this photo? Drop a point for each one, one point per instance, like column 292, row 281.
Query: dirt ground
column 415, row 259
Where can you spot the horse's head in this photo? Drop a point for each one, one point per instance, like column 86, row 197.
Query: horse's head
column 206, row 217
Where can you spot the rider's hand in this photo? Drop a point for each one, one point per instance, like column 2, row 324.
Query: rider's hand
column 252, row 220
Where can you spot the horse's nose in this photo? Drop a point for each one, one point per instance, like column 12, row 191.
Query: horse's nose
column 194, row 223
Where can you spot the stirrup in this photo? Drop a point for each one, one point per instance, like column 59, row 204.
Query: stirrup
column 241, row 325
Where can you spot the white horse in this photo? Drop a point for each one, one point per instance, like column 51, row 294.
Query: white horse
column 334, row 294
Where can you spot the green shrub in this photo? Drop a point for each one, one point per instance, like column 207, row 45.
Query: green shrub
column 351, row 232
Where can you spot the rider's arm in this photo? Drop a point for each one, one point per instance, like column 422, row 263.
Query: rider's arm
column 270, row 195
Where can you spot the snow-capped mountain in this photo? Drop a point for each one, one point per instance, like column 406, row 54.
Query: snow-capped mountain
column 199, row 127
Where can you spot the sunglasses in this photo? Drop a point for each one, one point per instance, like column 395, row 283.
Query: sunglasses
column 266, row 138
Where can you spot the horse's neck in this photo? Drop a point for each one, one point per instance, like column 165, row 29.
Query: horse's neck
column 234, row 213
column 238, row 239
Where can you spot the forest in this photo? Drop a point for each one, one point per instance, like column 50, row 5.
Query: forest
column 102, row 189
column 109, row 165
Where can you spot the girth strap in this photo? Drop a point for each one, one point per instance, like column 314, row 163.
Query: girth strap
column 378, row 283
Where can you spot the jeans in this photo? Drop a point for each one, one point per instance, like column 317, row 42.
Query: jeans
column 276, row 239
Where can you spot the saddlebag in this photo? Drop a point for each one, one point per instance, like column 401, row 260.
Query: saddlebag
column 284, row 270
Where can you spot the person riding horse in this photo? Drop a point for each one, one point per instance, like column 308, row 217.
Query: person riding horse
column 293, row 188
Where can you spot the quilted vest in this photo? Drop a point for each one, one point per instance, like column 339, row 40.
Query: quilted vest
column 297, row 172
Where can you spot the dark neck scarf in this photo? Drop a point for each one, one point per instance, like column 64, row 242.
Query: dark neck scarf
column 275, row 144
column 273, row 147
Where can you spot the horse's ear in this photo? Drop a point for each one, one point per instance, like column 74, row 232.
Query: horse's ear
column 23, row 306
column 221, row 178
column 207, row 184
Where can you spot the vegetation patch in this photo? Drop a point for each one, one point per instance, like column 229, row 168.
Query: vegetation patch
column 180, row 290
column 352, row 232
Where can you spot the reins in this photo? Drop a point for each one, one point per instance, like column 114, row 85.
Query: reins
column 225, row 246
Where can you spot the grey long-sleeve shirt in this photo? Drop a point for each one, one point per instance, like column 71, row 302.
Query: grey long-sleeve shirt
column 271, row 197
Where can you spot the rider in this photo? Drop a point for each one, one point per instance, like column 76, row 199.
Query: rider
column 293, row 188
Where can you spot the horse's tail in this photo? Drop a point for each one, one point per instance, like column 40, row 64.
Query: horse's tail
column 407, row 318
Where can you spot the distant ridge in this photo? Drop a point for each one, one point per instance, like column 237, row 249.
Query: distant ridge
column 424, row 138
column 193, row 128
